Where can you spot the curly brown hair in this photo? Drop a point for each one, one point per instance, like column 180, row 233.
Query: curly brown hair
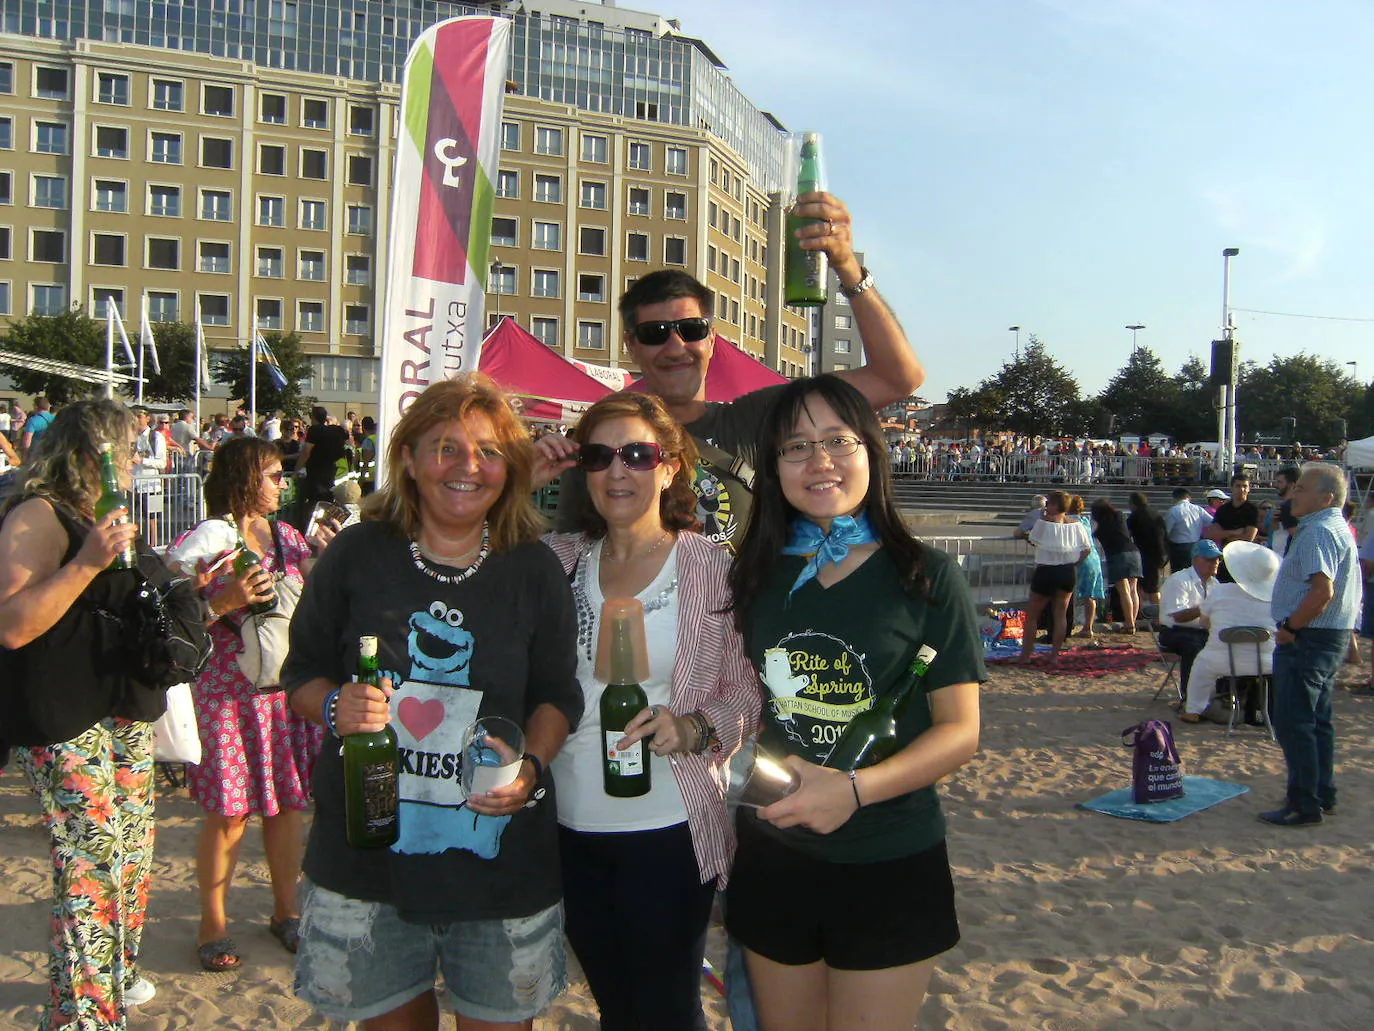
column 677, row 506
column 234, row 484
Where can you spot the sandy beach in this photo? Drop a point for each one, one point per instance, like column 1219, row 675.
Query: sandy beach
column 1072, row 921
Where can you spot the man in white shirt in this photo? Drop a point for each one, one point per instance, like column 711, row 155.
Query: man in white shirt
column 1183, row 525
column 271, row 426
column 1180, row 597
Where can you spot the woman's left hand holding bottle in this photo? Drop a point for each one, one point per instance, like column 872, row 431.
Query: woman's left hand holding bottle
column 363, row 708
column 250, row 587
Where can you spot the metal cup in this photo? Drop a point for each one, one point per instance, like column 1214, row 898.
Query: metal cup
column 759, row 779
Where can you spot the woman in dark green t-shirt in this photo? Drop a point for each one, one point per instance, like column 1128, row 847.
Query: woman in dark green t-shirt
column 841, row 893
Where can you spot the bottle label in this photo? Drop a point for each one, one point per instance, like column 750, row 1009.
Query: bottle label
column 623, row 762
column 379, row 795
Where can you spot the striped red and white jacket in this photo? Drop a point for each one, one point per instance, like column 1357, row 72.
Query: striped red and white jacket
column 711, row 675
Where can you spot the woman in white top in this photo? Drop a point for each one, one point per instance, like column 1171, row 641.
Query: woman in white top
column 639, row 874
column 1060, row 542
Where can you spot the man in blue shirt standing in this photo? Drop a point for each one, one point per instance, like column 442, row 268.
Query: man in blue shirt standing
column 1184, row 524
column 1316, row 604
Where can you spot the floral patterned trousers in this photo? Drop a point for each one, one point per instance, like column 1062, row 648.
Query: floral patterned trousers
column 97, row 796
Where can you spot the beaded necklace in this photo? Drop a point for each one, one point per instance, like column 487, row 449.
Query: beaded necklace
column 452, row 578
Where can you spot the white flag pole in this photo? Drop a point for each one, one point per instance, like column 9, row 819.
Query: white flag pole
column 200, row 362
column 109, row 349
column 253, row 381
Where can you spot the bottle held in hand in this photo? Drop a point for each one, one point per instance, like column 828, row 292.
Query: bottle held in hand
column 371, row 770
column 871, row 736
column 246, row 559
column 112, row 497
column 622, row 662
column 805, row 270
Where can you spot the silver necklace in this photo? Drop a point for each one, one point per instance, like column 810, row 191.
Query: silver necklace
column 635, row 558
column 453, row 578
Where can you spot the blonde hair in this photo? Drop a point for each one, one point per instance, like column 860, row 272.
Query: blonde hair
column 513, row 519
column 65, row 467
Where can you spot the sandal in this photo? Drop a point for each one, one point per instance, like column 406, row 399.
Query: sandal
column 219, row 955
column 287, row 931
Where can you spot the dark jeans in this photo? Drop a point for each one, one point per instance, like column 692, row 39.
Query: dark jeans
column 1304, row 676
column 636, row 914
column 1180, row 556
column 1185, row 642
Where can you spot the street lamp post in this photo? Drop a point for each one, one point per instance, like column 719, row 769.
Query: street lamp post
column 1017, row 331
column 1226, row 417
column 1135, row 328
column 1354, row 371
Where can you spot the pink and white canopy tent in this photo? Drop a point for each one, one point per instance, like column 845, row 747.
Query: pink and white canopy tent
column 551, row 388
column 732, row 373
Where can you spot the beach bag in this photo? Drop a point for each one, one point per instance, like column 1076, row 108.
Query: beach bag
column 267, row 638
column 176, row 737
column 1156, row 775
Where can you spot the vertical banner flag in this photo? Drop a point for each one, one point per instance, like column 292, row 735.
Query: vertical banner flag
column 145, row 337
column 202, row 364
column 269, row 358
column 440, row 233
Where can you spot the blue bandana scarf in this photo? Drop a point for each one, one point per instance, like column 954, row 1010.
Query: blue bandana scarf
column 806, row 538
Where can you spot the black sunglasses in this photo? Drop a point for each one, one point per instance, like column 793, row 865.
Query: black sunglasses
column 640, row 455
column 654, row 334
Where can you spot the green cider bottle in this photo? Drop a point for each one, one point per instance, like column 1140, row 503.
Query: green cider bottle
column 871, row 736
column 112, row 498
column 805, row 270
column 625, row 773
column 371, row 770
column 246, row 559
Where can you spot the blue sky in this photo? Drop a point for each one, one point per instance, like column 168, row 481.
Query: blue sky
column 1073, row 166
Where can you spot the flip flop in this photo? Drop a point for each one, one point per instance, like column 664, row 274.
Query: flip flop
column 287, row 931
column 219, row 955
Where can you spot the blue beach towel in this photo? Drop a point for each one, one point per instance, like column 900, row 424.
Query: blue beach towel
column 1199, row 793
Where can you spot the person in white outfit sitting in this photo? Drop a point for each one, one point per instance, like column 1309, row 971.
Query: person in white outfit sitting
column 1245, row 602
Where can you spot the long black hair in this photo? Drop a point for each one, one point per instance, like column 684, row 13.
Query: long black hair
column 772, row 513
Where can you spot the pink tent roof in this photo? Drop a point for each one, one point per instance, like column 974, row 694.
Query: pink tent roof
column 733, row 373
column 522, row 365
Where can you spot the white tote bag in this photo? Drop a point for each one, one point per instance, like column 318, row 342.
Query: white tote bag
column 177, row 738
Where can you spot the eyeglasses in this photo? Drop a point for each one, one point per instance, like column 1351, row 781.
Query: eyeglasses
column 639, row 456
column 654, row 334
column 277, row 476
column 835, row 447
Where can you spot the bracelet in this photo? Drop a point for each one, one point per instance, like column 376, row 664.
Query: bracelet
column 854, row 783
column 331, row 710
column 705, row 732
column 538, row 765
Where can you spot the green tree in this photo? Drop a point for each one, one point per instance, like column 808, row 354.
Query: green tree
column 1039, row 395
column 1192, row 415
column 231, row 369
column 978, row 408
column 1142, row 396
column 176, row 349
column 71, row 336
column 1318, row 392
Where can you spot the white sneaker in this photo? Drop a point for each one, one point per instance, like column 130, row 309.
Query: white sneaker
column 139, row 992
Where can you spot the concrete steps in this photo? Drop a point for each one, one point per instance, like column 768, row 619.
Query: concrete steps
column 1001, row 502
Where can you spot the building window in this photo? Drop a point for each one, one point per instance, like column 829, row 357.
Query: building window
column 101, row 299
column 591, row 240
column 591, row 335
column 271, row 159
column 359, row 220
column 640, row 157
column 50, row 137
column 6, row 132
column 168, row 95
column 214, row 309
column 6, row 304
column 357, row 319
column 48, row 298
column 712, row 213
column 548, row 188
column 714, row 171
column 6, row 246
column 112, row 88
column 676, row 161
column 310, row 316
column 108, row 249
column 359, row 170
column 6, row 76
column 674, row 205
column 637, row 247
column 268, row 311
column 674, row 251
column 842, row 347
column 217, row 100
column 111, row 141
column 50, row 191
column 503, row 279
column 269, row 263
column 314, row 164
column 361, row 121
column 163, row 253
column 711, row 257
column 544, row 282
column 545, row 330
column 507, row 183
column 310, row 266
column 595, row 149
column 548, row 141
column 272, row 211
column 164, row 201
column 734, row 269
column 272, row 109
column 510, row 135
column 505, row 232
column 217, row 205
column 639, row 201
column 313, row 214
column 111, row 195
column 844, row 321
column 213, row 257
column 315, row 113
column 547, row 236
column 50, row 83
column 216, row 152
column 358, row 269
column 647, row 110
column 591, row 287
column 164, row 148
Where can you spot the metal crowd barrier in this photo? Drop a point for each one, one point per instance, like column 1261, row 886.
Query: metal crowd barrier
column 998, row 569
column 166, row 506
column 1065, row 468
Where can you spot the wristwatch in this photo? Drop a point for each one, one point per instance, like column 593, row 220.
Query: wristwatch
column 1288, row 627
column 865, row 283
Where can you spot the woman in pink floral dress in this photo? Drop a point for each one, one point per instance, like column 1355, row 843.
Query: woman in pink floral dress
column 258, row 754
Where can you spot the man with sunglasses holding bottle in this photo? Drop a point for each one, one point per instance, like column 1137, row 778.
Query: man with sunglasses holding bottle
column 669, row 331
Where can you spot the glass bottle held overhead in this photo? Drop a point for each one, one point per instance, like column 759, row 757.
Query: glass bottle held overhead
column 371, row 768
column 112, row 498
column 805, row 270
column 871, row 736
column 622, row 662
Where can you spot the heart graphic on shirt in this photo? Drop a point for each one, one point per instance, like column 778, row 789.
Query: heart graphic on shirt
column 420, row 718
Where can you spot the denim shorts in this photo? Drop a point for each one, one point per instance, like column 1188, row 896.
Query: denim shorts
column 358, row 960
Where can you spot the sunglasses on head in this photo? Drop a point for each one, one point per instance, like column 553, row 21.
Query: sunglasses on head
column 640, row 456
column 653, row 334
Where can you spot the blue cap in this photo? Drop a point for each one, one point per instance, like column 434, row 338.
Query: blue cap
column 1206, row 549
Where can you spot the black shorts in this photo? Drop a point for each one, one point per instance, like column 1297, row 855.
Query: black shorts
column 794, row 909
column 1047, row 580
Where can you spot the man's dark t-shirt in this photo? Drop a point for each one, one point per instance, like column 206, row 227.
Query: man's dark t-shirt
column 330, row 446
column 1237, row 517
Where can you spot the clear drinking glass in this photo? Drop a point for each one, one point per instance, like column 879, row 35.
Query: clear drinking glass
column 493, row 749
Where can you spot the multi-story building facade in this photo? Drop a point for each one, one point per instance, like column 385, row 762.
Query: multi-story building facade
column 235, row 157
column 838, row 345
